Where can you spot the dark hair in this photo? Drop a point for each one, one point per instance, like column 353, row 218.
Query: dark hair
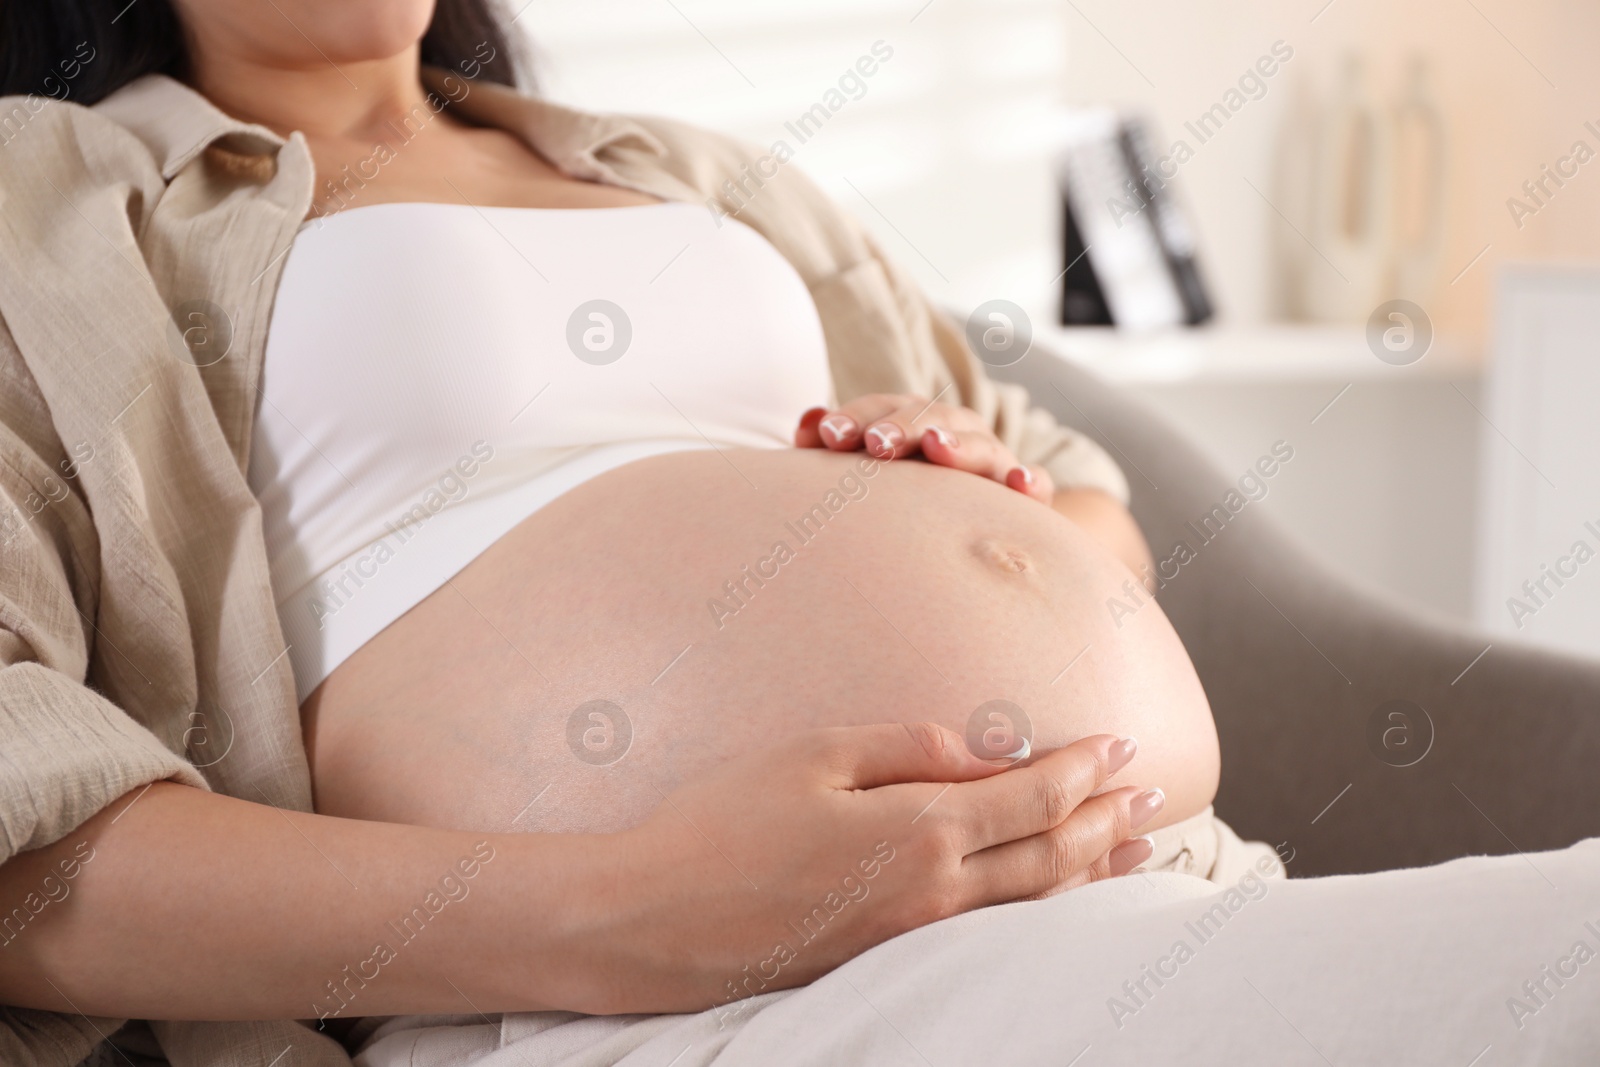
column 85, row 50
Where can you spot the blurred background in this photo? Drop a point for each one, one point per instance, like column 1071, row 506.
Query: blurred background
column 1324, row 157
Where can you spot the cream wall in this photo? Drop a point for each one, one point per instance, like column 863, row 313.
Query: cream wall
column 1504, row 120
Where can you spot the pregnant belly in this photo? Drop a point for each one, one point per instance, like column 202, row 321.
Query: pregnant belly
column 683, row 609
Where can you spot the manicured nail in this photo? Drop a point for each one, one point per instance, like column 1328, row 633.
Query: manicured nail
column 943, row 436
column 1143, row 807
column 1025, row 473
column 811, row 417
column 883, row 439
column 1121, row 752
column 1022, row 751
column 1128, row 855
column 836, row 428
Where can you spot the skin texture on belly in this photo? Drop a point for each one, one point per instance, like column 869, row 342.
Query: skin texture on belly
column 678, row 611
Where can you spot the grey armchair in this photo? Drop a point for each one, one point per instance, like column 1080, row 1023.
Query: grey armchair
column 1299, row 663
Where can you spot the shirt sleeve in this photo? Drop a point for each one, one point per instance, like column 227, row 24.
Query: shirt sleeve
column 1034, row 435
column 66, row 752
column 940, row 358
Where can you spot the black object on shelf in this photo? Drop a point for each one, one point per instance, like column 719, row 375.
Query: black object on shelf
column 1082, row 302
column 1128, row 249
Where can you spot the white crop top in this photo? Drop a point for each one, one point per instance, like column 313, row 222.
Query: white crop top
column 435, row 373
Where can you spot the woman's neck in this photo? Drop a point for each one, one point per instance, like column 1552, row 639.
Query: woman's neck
column 350, row 101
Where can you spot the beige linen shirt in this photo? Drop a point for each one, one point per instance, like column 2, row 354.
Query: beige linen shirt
column 138, row 635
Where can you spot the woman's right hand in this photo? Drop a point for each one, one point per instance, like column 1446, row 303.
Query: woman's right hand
column 780, row 865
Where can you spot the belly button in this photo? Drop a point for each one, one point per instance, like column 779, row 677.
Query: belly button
column 1004, row 557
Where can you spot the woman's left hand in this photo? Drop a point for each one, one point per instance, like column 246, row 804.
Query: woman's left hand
column 896, row 426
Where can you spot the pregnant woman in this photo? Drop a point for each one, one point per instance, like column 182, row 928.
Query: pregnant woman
column 645, row 558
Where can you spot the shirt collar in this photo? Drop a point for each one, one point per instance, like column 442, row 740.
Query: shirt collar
column 177, row 124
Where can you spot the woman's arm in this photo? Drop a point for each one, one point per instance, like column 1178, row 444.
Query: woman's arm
column 193, row 905
column 176, row 903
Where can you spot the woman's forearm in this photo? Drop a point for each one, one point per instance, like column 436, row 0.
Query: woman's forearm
column 175, row 903
column 190, row 905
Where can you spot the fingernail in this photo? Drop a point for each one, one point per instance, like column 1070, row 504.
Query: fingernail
column 943, row 436
column 836, row 428
column 1143, row 808
column 1128, row 855
column 1022, row 751
column 1122, row 752
column 1027, row 475
column 811, row 417
column 883, row 439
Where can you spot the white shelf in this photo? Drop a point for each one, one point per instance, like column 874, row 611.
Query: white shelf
column 1271, row 353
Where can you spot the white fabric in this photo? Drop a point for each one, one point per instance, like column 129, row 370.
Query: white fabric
column 1401, row 967
column 420, row 396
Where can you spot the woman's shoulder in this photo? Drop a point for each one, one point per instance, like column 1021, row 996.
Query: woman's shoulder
column 711, row 157
column 69, row 144
column 762, row 186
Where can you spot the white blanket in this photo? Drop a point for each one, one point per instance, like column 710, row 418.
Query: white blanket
column 1480, row 962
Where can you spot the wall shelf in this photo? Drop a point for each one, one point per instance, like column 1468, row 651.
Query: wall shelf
column 1270, row 353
